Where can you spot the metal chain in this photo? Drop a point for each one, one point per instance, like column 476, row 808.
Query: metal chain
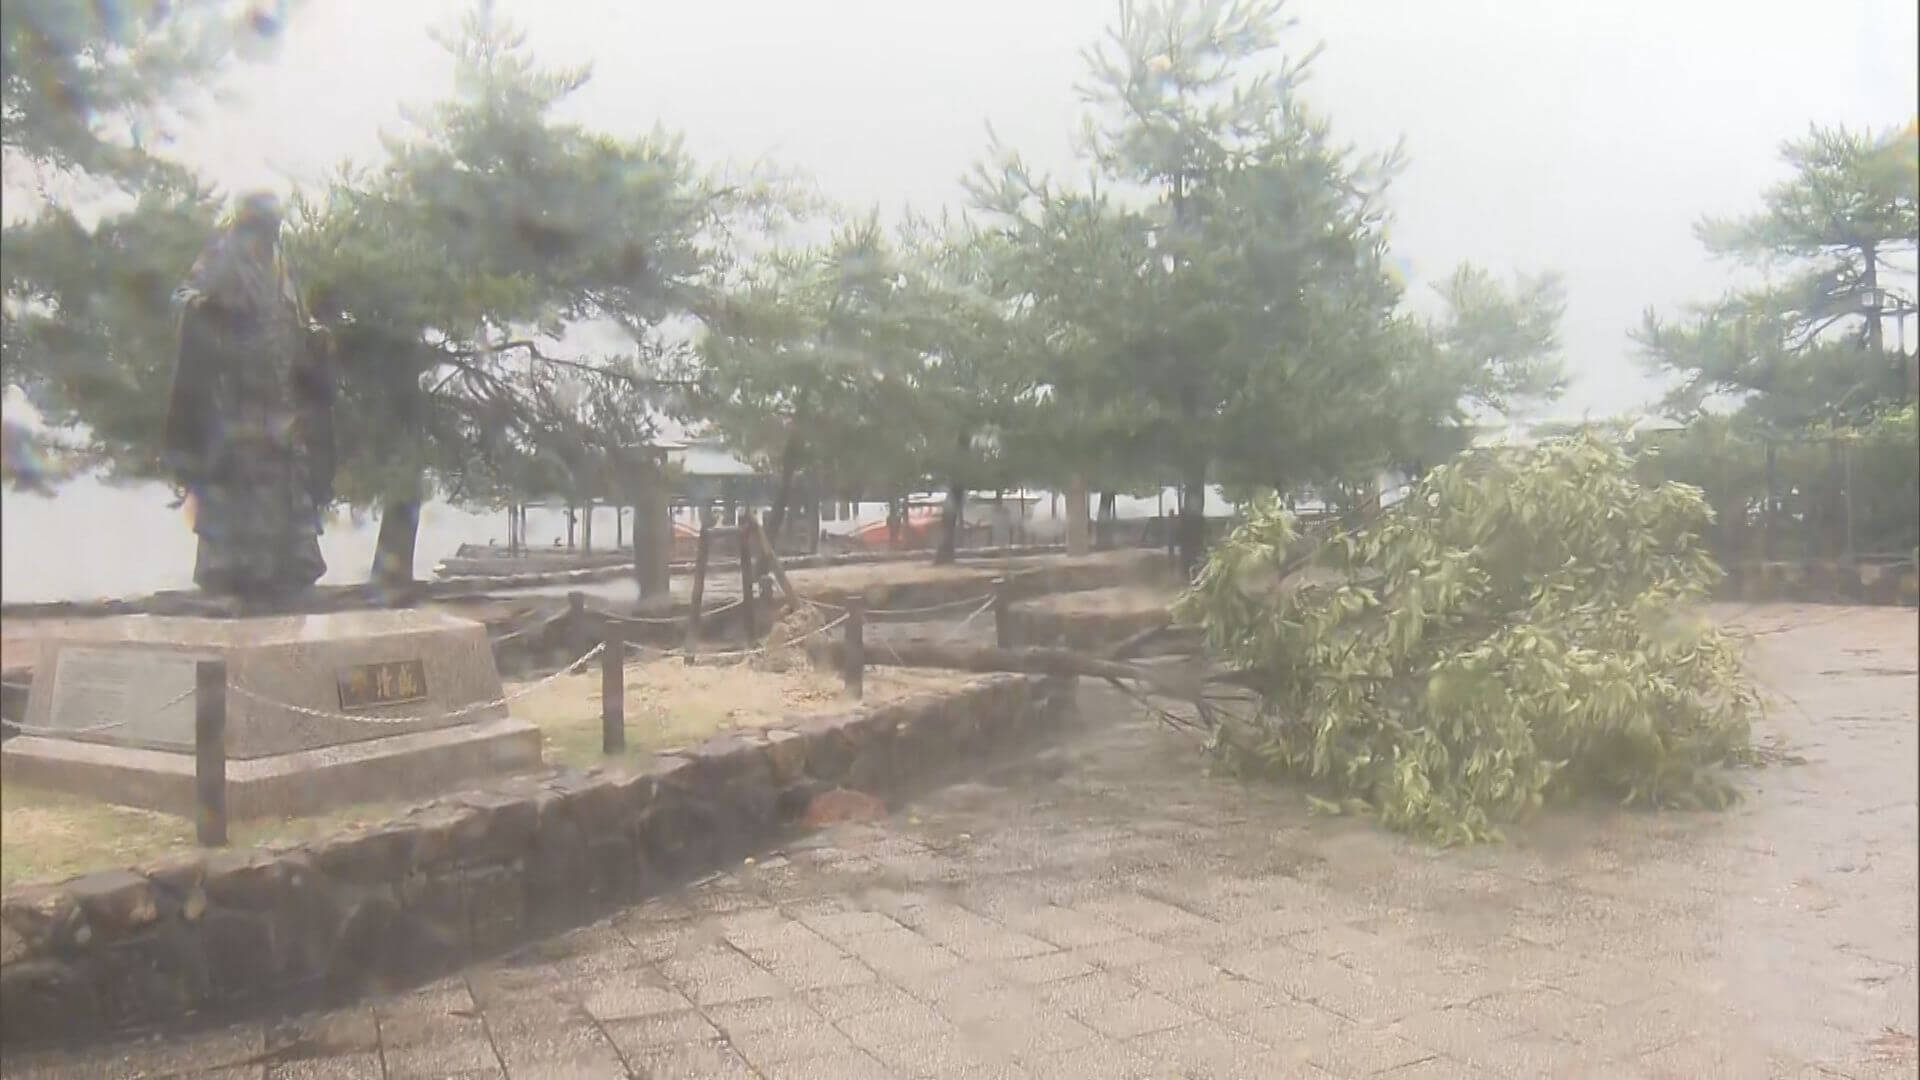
column 929, row 609
column 34, row 729
column 671, row 620
column 465, row 710
column 759, row 650
column 952, row 632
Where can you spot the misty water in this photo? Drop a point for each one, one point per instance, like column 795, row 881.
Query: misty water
column 95, row 540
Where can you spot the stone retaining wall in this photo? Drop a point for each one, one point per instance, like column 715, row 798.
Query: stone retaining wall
column 1822, row 582
column 461, row 877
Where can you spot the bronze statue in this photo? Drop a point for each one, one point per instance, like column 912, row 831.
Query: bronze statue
column 249, row 431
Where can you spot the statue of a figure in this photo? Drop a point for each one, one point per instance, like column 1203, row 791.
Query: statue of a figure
column 250, row 421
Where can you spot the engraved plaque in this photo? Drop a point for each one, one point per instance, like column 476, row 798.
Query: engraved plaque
column 151, row 691
column 394, row 682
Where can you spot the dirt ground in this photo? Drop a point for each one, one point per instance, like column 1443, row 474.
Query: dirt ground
column 47, row 835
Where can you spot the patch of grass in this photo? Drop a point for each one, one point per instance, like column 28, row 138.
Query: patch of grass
column 669, row 704
column 49, row 836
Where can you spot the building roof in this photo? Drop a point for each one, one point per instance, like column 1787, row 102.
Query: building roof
column 703, row 457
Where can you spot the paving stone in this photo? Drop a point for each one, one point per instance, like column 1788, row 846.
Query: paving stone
column 661, row 1029
column 1064, row 927
column 831, row 1067
column 1140, row 915
column 941, row 1054
column 764, row 1047
column 1137, row 1015
column 716, row 975
column 1101, row 1059
column 1227, row 997
column 360, row 1066
column 620, row 998
column 1044, row 968
column 1207, row 1051
column 1095, row 991
column 1124, row 952
column 839, row 1002
column 895, row 1024
column 1033, row 1034
column 710, row 1059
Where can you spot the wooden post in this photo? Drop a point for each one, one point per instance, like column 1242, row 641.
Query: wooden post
column 210, row 752
column 701, row 547
column 613, row 690
column 1003, row 611
column 854, row 664
column 747, row 576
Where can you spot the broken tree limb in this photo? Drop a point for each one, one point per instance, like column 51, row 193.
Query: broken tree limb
column 1125, row 647
column 1032, row 660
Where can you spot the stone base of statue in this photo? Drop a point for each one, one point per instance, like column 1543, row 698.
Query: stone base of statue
column 321, row 710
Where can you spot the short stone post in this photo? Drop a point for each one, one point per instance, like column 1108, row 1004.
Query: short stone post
column 613, row 689
column 1003, row 612
column 210, row 752
column 579, row 636
column 854, row 663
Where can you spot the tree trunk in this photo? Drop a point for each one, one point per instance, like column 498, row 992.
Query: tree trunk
column 956, row 502
column 1077, row 495
column 776, row 518
column 896, row 518
column 1193, row 519
column 586, row 529
column 394, row 547
column 572, row 521
column 951, row 521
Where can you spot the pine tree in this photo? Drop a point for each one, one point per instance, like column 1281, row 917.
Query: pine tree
column 1228, row 272
column 85, row 92
column 1808, row 346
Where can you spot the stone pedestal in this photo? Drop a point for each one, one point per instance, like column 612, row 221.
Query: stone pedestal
column 322, row 710
column 653, row 537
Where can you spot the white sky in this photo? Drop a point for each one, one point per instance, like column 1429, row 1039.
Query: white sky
column 1584, row 136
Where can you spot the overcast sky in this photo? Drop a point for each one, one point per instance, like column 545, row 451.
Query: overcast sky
column 1584, row 136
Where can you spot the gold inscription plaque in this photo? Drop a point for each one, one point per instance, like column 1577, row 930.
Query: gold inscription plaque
column 394, row 682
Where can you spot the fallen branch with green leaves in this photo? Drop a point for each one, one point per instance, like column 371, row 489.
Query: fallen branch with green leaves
column 1523, row 628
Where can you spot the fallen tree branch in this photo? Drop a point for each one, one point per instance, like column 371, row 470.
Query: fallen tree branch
column 1030, row 660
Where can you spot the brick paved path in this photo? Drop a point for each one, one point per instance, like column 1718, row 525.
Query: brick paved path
column 1100, row 911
